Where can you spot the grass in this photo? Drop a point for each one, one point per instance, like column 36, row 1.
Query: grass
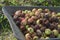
column 7, row 36
column 5, row 30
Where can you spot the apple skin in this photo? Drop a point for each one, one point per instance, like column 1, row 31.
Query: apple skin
column 42, row 38
column 15, row 18
column 27, row 26
column 18, row 23
column 52, row 35
column 31, row 30
column 24, row 22
column 34, row 17
column 38, row 21
column 18, row 13
column 46, row 10
column 39, row 33
column 40, row 10
column 47, row 31
column 58, row 14
column 59, row 28
column 35, row 38
column 47, row 38
column 46, row 23
column 30, row 20
column 58, row 36
column 37, row 27
column 42, row 29
column 33, row 34
column 28, row 37
column 55, row 32
column 34, row 10
column 21, row 18
column 37, row 13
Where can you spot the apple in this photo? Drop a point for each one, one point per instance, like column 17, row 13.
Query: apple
column 58, row 14
column 46, row 10
column 55, row 32
column 58, row 36
column 31, row 30
column 15, row 17
column 42, row 29
column 39, row 33
column 18, row 13
column 24, row 22
column 34, row 10
column 30, row 20
column 47, row 31
column 27, row 26
column 35, row 38
column 42, row 38
column 38, row 21
column 28, row 37
column 47, row 38
column 40, row 9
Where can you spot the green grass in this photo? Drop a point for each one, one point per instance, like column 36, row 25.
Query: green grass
column 7, row 36
column 5, row 30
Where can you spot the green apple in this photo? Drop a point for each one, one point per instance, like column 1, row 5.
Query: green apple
column 27, row 26
column 38, row 21
column 47, row 31
column 42, row 38
column 58, row 14
column 58, row 36
column 28, row 37
column 55, row 32
column 44, row 35
column 33, row 10
column 31, row 30
column 40, row 9
column 35, row 38
column 26, row 11
column 47, row 38
column 31, row 13
column 58, row 25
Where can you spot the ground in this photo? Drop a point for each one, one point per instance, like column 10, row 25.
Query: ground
column 7, row 36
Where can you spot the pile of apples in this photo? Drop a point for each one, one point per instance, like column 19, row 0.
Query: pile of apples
column 38, row 23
